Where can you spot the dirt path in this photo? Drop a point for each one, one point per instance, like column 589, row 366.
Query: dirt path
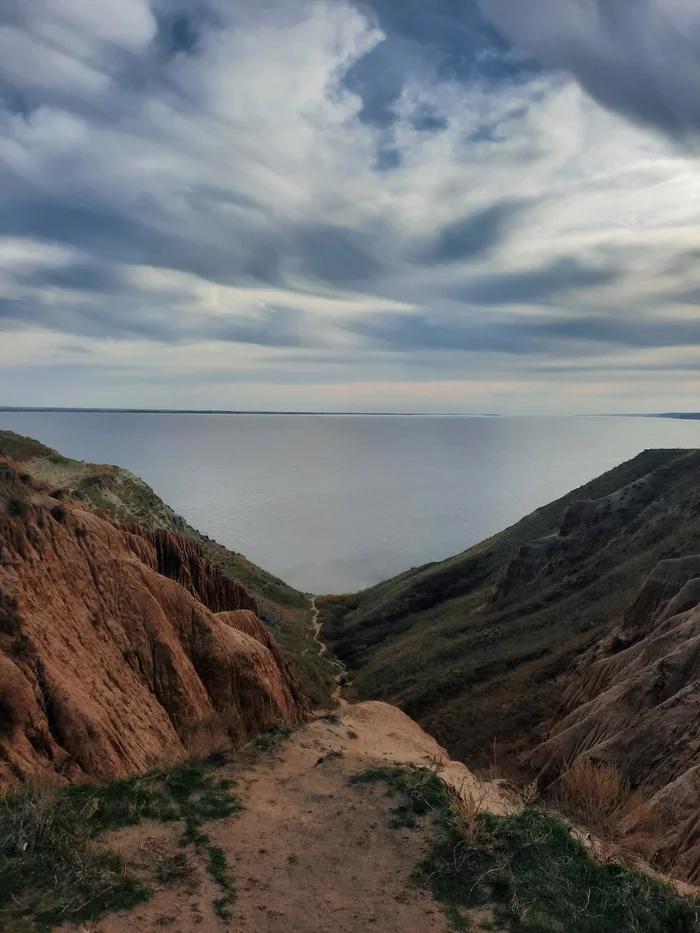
column 311, row 853
column 317, row 625
column 337, row 690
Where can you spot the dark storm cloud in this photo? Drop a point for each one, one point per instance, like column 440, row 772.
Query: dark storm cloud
column 638, row 57
column 534, row 286
column 427, row 119
column 93, row 277
column 127, row 318
column 337, row 255
column 92, row 320
column 476, row 235
column 182, row 24
column 109, row 234
column 98, row 227
column 331, row 254
column 524, row 335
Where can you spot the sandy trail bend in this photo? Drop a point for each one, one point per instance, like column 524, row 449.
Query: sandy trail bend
column 311, row 853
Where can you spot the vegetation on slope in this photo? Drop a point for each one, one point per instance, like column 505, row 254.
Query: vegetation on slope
column 471, row 668
column 125, row 497
column 54, row 868
column 525, row 870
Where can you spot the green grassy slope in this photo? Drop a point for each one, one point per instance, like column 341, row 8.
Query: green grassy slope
column 125, row 497
column 472, row 670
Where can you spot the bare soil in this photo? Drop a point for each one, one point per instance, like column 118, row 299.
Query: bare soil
column 311, row 853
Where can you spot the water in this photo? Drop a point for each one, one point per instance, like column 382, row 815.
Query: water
column 336, row 503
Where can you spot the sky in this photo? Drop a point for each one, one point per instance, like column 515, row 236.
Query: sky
column 350, row 205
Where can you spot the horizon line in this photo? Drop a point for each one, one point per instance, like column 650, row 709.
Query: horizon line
column 397, row 414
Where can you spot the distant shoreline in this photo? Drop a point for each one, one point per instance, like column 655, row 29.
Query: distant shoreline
column 8, row 409
column 222, row 411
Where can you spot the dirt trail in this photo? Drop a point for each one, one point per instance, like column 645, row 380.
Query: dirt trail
column 310, row 853
column 337, row 690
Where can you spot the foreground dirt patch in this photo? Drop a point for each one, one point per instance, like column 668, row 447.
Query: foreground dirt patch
column 310, row 853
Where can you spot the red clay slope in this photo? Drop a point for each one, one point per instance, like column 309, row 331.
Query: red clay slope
column 119, row 647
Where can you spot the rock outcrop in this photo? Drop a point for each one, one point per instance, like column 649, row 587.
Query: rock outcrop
column 587, row 527
column 635, row 703
column 118, row 646
column 182, row 559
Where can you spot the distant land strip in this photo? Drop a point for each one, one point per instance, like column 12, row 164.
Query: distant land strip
column 222, row 411
column 683, row 415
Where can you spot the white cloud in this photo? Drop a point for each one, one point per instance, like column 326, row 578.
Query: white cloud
column 221, row 191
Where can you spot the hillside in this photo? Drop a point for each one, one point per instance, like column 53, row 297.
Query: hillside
column 121, row 646
column 127, row 498
column 474, row 647
column 633, row 705
column 160, row 765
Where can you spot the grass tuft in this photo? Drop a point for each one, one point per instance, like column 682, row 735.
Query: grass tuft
column 221, row 875
column 420, row 792
column 50, row 867
column 272, row 738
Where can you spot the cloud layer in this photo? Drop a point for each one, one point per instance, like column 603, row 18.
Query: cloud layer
column 641, row 59
column 334, row 204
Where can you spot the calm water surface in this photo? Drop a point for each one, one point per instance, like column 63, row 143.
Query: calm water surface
column 336, row 503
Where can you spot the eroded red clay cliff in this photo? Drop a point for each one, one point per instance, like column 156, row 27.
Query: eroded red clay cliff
column 119, row 647
column 182, row 559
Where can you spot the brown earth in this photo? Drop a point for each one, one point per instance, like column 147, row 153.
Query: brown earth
column 311, row 853
column 119, row 646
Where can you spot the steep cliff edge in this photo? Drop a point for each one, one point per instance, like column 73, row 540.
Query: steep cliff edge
column 106, row 664
column 126, row 498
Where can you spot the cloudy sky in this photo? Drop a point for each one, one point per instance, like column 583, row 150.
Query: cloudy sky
column 408, row 205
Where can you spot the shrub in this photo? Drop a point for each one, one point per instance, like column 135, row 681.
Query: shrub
column 597, row 792
column 18, row 506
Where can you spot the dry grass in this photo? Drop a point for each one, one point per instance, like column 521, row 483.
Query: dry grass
column 603, row 799
column 492, row 771
column 204, row 738
column 596, row 792
column 175, row 867
column 530, row 793
column 466, row 809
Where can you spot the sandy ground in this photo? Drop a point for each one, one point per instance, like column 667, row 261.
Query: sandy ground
column 310, row 853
